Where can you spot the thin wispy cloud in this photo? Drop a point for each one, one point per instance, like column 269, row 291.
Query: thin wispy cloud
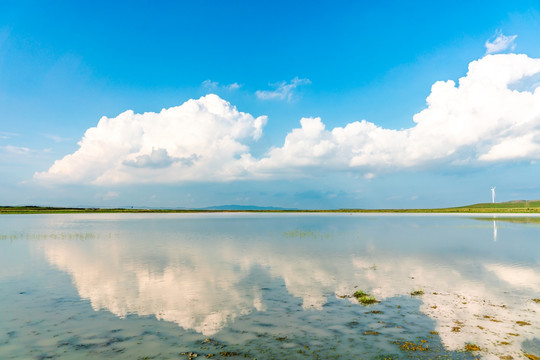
column 7, row 135
column 111, row 195
column 283, row 90
column 15, row 150
column 500, row 43
column 14, row 153
column 56, row 138
column 213, row 86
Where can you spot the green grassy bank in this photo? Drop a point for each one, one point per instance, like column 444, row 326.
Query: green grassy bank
column 521, row 206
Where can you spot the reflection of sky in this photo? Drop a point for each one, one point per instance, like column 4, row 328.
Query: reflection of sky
column 203, row 273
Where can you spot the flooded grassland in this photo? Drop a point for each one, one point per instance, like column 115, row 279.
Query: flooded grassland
column 269, row 286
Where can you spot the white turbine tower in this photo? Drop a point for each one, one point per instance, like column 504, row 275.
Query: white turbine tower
column 493, row 194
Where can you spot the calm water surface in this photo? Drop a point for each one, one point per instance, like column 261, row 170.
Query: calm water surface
column 268, row 286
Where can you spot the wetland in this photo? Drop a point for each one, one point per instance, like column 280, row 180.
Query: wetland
column 269, row 286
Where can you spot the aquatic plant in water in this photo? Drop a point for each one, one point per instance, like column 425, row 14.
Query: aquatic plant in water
column 364, row 298
column 410, row 346
column 417, row 292
column 472, row 347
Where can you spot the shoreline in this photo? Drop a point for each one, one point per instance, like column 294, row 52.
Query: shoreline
column 6, row 210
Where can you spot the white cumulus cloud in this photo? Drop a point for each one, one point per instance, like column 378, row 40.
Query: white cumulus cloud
column 500, row 43
column 283, row 90
column 476, row 121
column 201, row 139
column 492, row 114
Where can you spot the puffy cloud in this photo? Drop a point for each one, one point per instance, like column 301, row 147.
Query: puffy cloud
column 158, row 158
column 283, row 91
column 500, row 43
column 480, row 120
column 490, row 115
column 201, row 139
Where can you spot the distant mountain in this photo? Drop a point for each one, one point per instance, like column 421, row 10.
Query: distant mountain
column 243, row 207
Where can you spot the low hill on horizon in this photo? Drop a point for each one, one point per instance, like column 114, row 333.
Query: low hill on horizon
column 243, row 207
column 513, row 204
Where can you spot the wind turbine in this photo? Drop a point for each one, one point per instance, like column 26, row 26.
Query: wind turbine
column 493, row 194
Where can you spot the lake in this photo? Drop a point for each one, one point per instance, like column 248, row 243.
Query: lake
column 269, row 286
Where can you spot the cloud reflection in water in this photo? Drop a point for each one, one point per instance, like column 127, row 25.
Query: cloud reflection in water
column 204, row 279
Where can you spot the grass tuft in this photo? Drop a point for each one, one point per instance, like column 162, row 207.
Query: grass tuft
column 364, row 298
column 472, row 347
column 410, row 346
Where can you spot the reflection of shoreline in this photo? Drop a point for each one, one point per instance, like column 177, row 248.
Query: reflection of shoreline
column 206, row 285
column 513, row 219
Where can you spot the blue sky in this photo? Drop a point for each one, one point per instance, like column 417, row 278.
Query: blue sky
column 65, row 65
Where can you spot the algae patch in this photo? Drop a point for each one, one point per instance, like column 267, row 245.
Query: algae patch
column 417, row 292
column 410, row 346
column 472, row 347
column 364, row 298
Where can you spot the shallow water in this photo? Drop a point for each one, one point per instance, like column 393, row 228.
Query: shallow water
column 265, row 286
